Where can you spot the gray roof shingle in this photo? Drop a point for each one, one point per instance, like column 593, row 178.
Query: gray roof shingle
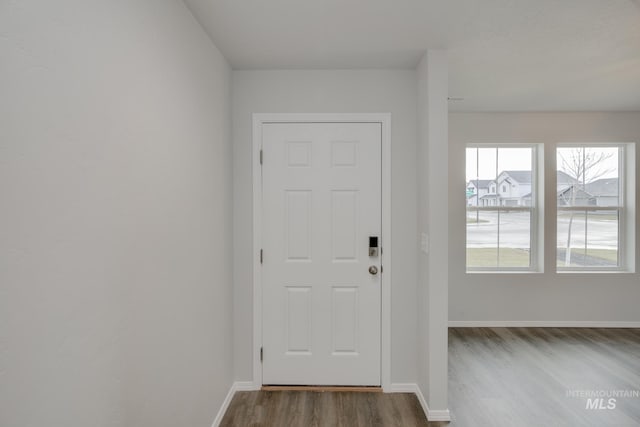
column 522, row 177
column 603, row 187
column 481, row 183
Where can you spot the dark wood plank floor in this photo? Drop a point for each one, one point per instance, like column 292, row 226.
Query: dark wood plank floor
column 516, row 377
column 326, row 409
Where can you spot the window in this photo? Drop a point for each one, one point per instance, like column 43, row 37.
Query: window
column 590, row 207
column 501, row 228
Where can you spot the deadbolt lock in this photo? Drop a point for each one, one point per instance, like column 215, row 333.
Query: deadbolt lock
column 373, row 246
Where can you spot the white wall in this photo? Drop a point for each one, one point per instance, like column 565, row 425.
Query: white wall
column 115, row 216
column 331, row 91
column 432, row 194
column 548, row 296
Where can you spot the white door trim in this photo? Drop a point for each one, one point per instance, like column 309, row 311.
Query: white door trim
column 385, row 120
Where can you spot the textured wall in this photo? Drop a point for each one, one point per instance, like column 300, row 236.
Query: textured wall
column 548, row 296
column 115, row 216
column 331, row 91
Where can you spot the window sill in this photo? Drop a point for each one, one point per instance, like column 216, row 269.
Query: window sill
column 503, row 272
column 590, row 272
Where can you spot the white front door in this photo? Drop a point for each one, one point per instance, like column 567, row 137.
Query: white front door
column 321, row 204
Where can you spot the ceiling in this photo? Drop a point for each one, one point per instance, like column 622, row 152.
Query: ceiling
column 504, row 55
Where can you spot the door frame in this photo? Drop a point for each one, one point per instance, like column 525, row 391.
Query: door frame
column 259, row 119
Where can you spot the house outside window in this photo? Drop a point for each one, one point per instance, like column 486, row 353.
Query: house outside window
column 502, row 227
column 593, row 227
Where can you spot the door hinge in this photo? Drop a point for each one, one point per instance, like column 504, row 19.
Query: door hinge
column 261, row 354
column 261, row 156
column 381, row 269
column 261, row 256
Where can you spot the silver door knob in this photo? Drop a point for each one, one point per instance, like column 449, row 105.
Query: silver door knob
column 373, row 270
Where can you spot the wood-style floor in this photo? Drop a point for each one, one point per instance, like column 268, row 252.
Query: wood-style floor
column 522, row 376
column 326, row 409
column 515, row 377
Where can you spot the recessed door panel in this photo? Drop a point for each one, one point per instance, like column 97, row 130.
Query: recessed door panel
column 344, row 312
column 298, row 225
column 344, row 153
column 298, row 320
column 299, row 154
column 344, row 225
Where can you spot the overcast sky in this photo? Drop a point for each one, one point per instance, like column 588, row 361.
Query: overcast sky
column 492, row 162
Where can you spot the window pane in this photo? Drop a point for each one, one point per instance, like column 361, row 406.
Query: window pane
column 472, row 177
column 602, row 239
column 499, row 178
column 482, row 239
column 514, row 239
column 472, row 163
column 588, row 176
column 571, row 238
column 515, row 159
column 588, row 239
column 487, row 163
column 515, row 177
column 490, row 246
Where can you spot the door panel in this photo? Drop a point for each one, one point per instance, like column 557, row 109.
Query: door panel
column 321, row 202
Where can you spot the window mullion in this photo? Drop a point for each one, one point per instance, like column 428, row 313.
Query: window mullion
column 509, row 211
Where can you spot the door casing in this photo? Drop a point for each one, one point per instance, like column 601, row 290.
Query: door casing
column 385, row 258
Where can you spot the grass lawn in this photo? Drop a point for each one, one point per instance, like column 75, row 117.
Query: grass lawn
column 487, row 257
column 510, row 257
column 609, row 255
column 472, row 220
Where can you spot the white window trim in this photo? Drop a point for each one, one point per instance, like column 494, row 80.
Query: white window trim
column 625, row 210
column 536, row 238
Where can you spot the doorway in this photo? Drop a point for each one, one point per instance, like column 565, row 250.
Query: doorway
column 321, row 278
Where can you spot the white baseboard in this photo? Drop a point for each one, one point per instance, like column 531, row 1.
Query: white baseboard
column 236, row 386
column 246, row 386
column 539, row 324
column 225, row 405
column 432, row 414
column 402, row 388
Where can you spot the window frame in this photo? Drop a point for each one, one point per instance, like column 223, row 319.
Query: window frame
column 621, row 209
column 535, row 239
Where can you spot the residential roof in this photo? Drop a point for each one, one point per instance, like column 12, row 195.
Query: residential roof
column 578, row 191
column 523, row 177
column 481, row 183
column 603, row 187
